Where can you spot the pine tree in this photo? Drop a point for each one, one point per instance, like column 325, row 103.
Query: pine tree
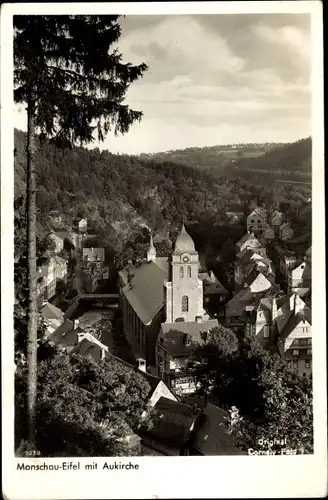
column 73, row 83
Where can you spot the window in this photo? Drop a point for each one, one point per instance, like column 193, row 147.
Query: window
column 185, row 304
column 266, row 332
column 307, row 364
column 181, row 272
column 295, row 352
column 295, row 341
column 309, row 351
column 295, row 364
column 309, row 341
column 189, row 272
column 305, row 329
column 258, row 221
column 252, row 221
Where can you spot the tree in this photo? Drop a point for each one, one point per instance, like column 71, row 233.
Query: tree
column 84, row 408
column 73, row 86
column 272, row 400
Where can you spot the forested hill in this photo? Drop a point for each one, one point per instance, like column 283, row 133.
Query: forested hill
column 272, row 161
column 291, row 162
column 107, row 188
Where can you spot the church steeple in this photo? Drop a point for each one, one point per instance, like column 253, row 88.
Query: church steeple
column 151, row 254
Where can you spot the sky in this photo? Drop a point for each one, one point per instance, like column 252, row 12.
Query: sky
column 215, row 79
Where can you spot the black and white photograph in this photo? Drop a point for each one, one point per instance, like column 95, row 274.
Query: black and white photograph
column 163, row 238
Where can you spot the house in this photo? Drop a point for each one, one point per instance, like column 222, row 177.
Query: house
column 48, row 275
column 235, row 212
column 82, row 225
column 286, row 232
column 275, row 220
column 257, row 287
column 162, row 291
column 90, row 255
column 298, row 275
column 212, row 436
column 175, row 345
column 249, row 260
column 61, row 239
column 250, row 242
column 214, row 292
column 172, row 427
column 283, row 323
column 52, row 317
column 269, row 233
column 257, row 220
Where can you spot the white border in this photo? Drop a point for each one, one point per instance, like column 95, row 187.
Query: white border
column 176, row 477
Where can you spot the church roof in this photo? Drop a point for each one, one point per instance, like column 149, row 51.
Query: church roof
column 184, row 243
column 145, row 293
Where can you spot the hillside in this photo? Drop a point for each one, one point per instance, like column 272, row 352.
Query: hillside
column 270, row 161
column 212, row 157
column 108, row 189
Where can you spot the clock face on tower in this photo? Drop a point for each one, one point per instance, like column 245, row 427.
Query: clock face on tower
column 185, row 258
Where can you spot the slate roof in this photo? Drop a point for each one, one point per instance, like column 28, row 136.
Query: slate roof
column 174, row 335
column 50, row 311
column 172, row 421
column 215, row 285
column 236, row 305
column 211, row 436
column 247, row 237
column 292, row 323
column 146, row 294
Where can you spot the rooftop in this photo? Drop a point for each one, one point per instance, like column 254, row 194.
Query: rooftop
column 173, row 421
column 145, row 292
column 184, row 243
column 174, row 335
column 211, row 437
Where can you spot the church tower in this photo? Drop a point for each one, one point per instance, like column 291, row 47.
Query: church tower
column 151, row 254
column 184, row 293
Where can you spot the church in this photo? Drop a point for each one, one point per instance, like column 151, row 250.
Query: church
column 163, row 314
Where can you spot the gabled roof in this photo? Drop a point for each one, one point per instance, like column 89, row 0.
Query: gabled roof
column 172, row 421
column 212, row 280
column 50, row 311
column 258, row 212
column 212, row 437
column 249, row 237
column 174, row 335
column 258, row 282
column 236, row 305
column 293, row 322
column 146, row 293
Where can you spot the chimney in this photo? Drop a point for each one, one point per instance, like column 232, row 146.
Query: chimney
column 103, row 354
column 92, row 249
column 198, row 319
column 292, row 302
column 142, row 365
column 76, row 323
column 274, row 309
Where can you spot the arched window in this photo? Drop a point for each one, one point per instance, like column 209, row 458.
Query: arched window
column 189, row 272
column 185, row 303
column 181, row 272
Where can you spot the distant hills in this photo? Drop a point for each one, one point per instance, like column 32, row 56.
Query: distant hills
column 289, row 161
